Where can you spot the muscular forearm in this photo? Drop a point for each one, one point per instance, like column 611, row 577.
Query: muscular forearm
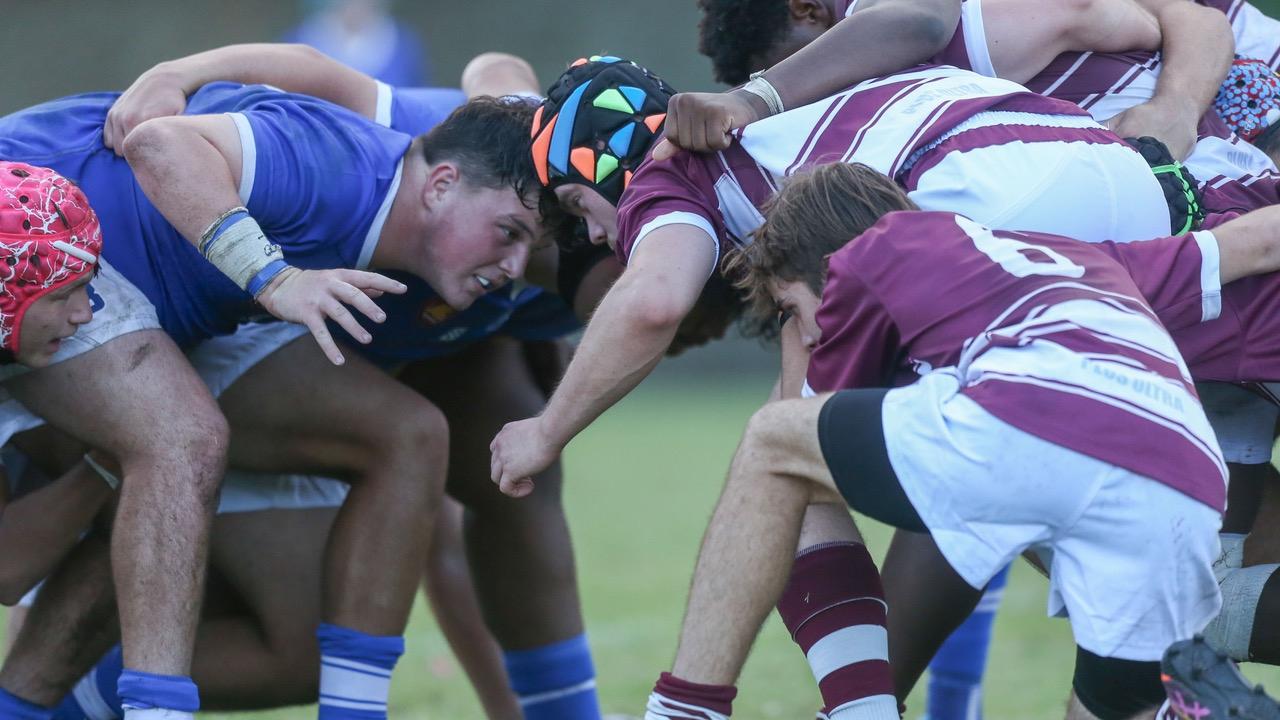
column 886, row 37
column 40, row 528
column 620, row 348
column 295, row 68
column 1197, row 51
column 1249, row 245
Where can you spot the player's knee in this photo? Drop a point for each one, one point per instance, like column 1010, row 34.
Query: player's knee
column 188, row 451
column 765, row 437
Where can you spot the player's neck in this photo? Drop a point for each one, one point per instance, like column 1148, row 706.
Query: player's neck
column 397, row 246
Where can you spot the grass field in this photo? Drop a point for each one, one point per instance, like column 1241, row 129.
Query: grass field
column 641, row 485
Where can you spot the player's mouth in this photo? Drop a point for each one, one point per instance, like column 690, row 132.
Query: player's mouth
column 485, row 283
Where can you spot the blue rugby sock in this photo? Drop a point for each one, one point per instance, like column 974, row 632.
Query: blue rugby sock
column 13, row 707
column 149, row 696
column 95, row 696
column 955, row 674
column 556, row 681
column 355, row 673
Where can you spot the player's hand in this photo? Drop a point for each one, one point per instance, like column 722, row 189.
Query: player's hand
column 156, row 93
column 521, row 450
column 702, row 122
column 311, row 297
column 1172, row 125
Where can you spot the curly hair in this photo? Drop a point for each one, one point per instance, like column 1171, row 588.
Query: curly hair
column 734, row 31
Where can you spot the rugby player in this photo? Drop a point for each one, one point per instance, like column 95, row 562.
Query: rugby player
column 1040, row 322
column 544, row 640
column 670, row 221
column 1062, row 53
column 369, row 428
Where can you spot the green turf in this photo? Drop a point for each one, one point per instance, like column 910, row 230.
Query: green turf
column 641, row 485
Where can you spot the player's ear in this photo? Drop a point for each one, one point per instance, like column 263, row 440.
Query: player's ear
column 442, row 178
column 810, row 11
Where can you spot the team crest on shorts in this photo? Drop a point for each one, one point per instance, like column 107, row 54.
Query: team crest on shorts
column 436, row 311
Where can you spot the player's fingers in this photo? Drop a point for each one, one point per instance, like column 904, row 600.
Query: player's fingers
column 109, row 133
column 664, row 149
column 371, row 281
column 325, row 339
column 495, row 462
column 720, row 138
column 338, row 312
column 356, row 298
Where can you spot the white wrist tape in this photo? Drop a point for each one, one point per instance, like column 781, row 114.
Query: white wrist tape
column 1231, row 631
column 236, row 245
column 106, row 475
column 765, row 90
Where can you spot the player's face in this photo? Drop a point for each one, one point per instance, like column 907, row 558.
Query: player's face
column 52, row 319
column 479, row 239
column 798, row 302
column 600, row 214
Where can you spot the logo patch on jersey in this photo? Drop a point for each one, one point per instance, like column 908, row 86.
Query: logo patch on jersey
column 436, row 311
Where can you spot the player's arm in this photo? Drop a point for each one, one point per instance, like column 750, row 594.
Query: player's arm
column 38, row 529
column 163, row 90
column 1024, row 36
column 625, row 339
column 795, row 362
column 880, row 37
column 189, row 167
column 1249, row 245
column 1197, row 51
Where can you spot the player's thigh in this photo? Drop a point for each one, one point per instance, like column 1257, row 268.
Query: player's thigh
column 294, row 411
column 135, row 394
column 784, row 438
column 479, row 390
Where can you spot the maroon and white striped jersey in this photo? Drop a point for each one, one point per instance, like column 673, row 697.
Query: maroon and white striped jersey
column 1257, row 34
column 1107, row 84
column 898, row 124
column 1049, row 334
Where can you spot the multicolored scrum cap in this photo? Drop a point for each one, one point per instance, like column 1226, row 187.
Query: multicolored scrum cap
column 1249, row 100
column 598, row 121
column 49, row 237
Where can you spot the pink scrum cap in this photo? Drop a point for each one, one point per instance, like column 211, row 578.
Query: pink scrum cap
column 49, row 237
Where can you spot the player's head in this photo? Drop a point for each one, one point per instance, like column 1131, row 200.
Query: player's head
column 1249, row 99
column 480, row 200
column 743, row 36
column 813, row 215
column 49, row 247
column 594, row 129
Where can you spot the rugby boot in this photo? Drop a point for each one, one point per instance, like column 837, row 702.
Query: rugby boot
column 1203, row 684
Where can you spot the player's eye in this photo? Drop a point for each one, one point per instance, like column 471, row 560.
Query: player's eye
column 784, row 314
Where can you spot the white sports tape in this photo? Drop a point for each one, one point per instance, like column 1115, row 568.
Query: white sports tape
column 1230, row 632
column 242, row 251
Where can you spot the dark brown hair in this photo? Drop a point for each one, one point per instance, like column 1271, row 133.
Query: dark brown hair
column 812, row 216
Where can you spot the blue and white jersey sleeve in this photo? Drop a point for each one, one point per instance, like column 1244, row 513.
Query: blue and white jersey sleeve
column 415, row 110
column 318, row 178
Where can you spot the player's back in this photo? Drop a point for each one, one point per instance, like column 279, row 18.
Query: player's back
column 1039, row 329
